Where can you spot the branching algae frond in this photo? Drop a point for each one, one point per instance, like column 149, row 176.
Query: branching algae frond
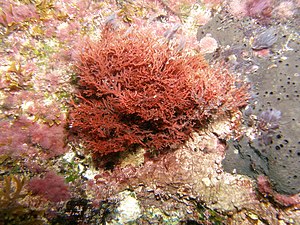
column 11, row 210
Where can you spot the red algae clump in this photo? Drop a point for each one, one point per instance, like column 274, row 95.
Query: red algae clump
column 135, row 90
column 52, row 187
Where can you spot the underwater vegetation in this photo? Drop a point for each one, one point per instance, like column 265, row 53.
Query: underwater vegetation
column 11, row 210
column 52, row 187
column 135, row 89
column 21, row 137
column 12, row 14
column 145, row 88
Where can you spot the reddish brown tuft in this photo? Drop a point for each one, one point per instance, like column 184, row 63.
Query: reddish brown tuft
column 135, row 90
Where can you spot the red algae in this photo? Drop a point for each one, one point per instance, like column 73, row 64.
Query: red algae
column 52, row 187
column 135, row 90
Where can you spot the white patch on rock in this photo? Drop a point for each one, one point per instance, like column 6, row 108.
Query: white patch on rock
column 69, row 156
column 128, row 210
column 90, row 174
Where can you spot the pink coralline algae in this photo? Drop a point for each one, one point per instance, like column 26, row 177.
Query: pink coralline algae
column 258, row 8
column 12, row 13
column 24, row 137
column 285, row 9
column 252, row 8
column 52, row 187
column 264, row 187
